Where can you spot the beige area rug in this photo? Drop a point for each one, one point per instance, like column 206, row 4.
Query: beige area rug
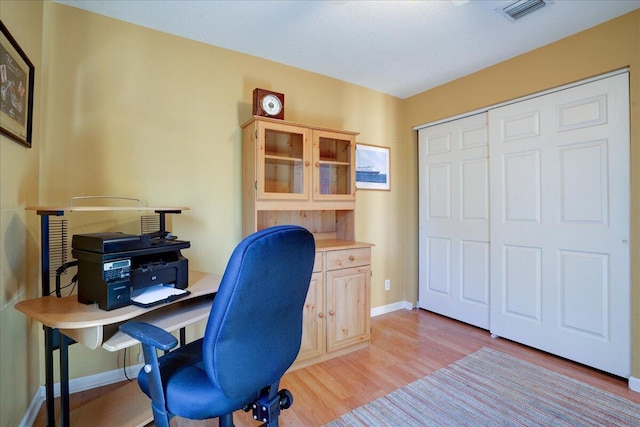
column 489, row 388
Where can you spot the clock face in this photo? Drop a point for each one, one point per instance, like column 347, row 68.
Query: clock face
column 271, row 105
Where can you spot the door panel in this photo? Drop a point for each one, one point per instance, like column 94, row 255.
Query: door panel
column 583, row 178
column 522, row 296
column 454, row 220
column 475, row 271
column 521, row 196
column 313, row 320
column 348, row 307
column 584, row 290
column 560, row 223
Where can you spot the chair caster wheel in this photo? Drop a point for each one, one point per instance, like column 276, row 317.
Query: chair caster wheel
column 286, row 399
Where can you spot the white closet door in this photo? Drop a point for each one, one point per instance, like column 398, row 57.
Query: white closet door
column 454, row 220
column 560, row 223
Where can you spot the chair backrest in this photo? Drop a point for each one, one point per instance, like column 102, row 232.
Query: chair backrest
column 254, row 329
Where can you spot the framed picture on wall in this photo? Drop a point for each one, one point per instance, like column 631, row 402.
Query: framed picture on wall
column 372, row 167
column 16, row 86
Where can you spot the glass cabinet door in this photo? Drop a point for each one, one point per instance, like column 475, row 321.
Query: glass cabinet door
column 334, row 176
column 283, row 162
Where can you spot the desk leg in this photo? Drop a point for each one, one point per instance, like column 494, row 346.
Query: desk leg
column 48, row 367
column 64, row 380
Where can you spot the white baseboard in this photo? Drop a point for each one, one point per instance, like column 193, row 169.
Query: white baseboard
column 32, row 411
column 377, row 311
column 76, row 385
column 634, row 384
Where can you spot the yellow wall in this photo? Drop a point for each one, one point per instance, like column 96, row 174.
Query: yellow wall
column 607, row 47
column 128, row 111
column 123, row 110
column 19, row 337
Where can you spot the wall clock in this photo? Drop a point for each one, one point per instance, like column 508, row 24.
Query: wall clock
column 267, row 103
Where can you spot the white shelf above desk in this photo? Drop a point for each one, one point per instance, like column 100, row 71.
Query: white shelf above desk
column 105, row 208
column 75, row 208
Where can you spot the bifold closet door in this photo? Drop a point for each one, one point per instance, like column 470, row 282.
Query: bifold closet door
column 454, row 220
column 560, row 223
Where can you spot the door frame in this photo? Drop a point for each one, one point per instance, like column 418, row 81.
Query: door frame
column 522, row 98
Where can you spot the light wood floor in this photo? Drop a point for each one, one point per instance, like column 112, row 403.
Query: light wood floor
column 405, row 346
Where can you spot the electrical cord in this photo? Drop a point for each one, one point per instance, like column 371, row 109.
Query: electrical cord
column 59, row 272
column 124, row 365
column 73, row 283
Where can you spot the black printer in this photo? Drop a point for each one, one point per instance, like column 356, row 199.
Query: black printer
column 113, row 265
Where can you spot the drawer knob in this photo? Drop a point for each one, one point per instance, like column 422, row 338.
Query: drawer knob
column 352, row 258
column 321, row 315
column 331, row 312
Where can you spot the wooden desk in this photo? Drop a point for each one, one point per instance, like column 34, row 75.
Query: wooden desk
column 93, row 327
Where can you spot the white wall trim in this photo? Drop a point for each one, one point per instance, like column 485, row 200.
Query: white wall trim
column 76, row 385
column 377, row 311
column 32, row 411
column 634, row 384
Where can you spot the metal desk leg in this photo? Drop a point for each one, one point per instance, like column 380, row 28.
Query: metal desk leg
column 64, row 381
column 49, row 333
column 48, row 383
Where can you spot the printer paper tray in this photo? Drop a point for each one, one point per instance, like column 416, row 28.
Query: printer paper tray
column 156, row 294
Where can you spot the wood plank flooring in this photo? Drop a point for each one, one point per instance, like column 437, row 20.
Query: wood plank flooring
column 405, row 346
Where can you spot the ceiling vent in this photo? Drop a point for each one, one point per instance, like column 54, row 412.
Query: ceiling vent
column 520, row 8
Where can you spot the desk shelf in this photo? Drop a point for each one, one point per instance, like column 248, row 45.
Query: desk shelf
column 172, row 318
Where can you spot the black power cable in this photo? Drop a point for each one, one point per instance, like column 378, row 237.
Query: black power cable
column 61, row 270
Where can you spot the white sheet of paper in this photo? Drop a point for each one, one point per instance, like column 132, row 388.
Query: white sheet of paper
column 155, row 293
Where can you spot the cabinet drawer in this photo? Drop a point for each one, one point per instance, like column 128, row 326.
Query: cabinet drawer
column 348, row 258
column 317, row 264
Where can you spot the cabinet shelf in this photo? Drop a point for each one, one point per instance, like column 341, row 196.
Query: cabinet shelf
column 334, row 162
column 283, row 158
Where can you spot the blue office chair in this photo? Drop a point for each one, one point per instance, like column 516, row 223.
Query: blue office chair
column 252, row 336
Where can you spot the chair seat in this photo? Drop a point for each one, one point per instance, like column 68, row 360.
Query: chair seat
column 189, row 392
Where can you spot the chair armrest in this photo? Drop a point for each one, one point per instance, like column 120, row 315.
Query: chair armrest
column 150, row 335
column 152, row 338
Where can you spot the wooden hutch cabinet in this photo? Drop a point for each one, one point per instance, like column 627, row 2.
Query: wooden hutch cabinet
column 305, row 175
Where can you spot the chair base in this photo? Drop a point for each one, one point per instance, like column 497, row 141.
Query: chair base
column 226, row 421
column 268, row 407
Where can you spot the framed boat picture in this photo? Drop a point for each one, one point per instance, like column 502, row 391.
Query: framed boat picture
column 372, row 167
column 16, row 90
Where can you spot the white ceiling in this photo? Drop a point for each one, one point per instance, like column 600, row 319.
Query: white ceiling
column 400, row 48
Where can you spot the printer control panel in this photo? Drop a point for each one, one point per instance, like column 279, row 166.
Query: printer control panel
column 117, row 270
